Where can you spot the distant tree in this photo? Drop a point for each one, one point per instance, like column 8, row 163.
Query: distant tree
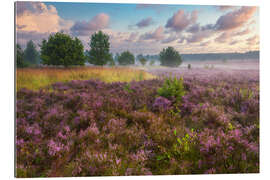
column 116, row 57
column 31, row 54
column 170, row 57
column 111, row 61
column 143, row 61
column 19, row 57
column 189, row 66
column 126, row 58
column 139, row 56
column 61, row 49
column 99, row 53
column 152, row 62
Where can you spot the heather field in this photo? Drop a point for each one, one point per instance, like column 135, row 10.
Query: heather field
column 166, row 121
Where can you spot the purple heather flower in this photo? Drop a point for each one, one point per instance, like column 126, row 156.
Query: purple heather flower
column 161, row 103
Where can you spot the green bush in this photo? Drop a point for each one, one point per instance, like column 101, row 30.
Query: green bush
column 172, row 88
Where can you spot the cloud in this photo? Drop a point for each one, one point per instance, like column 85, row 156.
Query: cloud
column 169, row 39
column 242, row 33
column 234, row 42
column 254, row 40
column 85, row 28
column 36, row 16
column 205, row 43
column 199, row 36
column 132, row 37
column 235, row 19
column 223, row 38
column 157, row 35
column 22, row 37
column 181, row 20
column 145, row 22
column 194, row 28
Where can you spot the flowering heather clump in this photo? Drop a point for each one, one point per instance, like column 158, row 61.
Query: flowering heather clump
column 92, row 128
column 161, row 103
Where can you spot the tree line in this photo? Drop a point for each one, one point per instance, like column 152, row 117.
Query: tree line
column 62, row 49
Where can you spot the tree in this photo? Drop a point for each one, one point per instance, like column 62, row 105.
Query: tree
column 19, row 57
column 99, row 53
column 116, row 57
column 152, row 62
column 61, row 49
column 170, row 57
column 139, row 56
column 126, row 58
column 143, row 61
column 31, row 55
column 111, row 62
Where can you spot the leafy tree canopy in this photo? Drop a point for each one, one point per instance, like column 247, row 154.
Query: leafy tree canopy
column 126, row 58
column 31, row 54
column 170, row 57
column 143, row 61
column 19, row 57
column 61, row 49
column 99, row 53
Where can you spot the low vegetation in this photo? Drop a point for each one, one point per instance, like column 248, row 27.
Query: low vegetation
column 93, row 128
column 36, row 78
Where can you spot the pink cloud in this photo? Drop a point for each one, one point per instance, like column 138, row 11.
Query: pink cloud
column 181, row 20
column 85, row 28
column 157, row 35
column 199, row 36
column 254, row 40
column 145, row 22
column 37, row 16
column 242, row 33
column 235, row 19
column 223, row 37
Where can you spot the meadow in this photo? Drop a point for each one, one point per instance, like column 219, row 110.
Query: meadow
column 180, row 122
column 36, row 78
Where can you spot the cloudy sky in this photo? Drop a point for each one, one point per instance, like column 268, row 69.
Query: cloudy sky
column 144, row 28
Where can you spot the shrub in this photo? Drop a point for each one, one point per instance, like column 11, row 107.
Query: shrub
column 172, row 89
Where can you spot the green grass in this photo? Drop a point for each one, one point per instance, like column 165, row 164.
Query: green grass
column 36, row 78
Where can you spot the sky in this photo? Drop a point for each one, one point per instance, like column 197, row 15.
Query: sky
column 143, row 28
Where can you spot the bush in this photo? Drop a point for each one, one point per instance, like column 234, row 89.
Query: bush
column 126, row 58
column 172, row 88
column 170, row 57
column 61, row 49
